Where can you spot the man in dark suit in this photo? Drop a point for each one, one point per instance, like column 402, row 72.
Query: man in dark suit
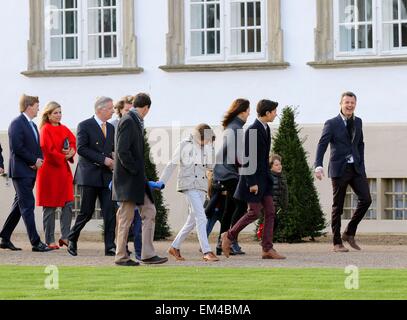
column 255, row 184
column 95, row 142
column 25, row 160
column 346, row 167
column 130, row 185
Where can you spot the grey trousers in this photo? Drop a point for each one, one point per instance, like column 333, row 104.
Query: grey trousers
column 49, row 222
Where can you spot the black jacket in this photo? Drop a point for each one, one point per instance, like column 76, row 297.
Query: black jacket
column 256, row 171
column 129, row 178
column 336, row 135
column 1, row 158
column 279, row 190
column 93, row 148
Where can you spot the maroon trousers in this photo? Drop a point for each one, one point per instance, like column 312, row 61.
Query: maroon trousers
column 252, row 215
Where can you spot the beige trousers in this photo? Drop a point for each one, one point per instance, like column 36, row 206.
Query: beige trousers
column 124, row 218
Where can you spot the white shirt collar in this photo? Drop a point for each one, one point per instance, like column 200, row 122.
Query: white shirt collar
column 265, row 125
column 27, row 117
column 98, row 120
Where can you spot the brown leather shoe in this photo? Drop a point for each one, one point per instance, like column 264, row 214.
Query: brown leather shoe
column 226, row 243
column 340, row 248
column 210, row 256
column 350, row 240
column 176, row 254
column 272, row 254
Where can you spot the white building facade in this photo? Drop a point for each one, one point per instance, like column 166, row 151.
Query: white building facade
column 194, row 57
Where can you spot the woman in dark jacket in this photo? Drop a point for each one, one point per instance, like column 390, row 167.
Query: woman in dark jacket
column 228, row 160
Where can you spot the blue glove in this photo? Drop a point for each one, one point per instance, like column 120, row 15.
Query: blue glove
column 110, row 185
column 156, row 185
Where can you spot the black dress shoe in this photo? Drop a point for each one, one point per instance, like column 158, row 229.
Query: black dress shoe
column 110, row 252
column 8, row 245
column 128, row 263
column 41, row 247
column 154, row 260
column 72, row 248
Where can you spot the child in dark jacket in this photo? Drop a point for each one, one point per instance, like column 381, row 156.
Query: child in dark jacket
column 280, row 192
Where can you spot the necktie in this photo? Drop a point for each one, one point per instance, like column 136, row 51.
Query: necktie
column 349, row 126
column 104, row 128
column 35, row 132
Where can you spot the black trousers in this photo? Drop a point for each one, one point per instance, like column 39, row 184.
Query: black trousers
column 360, row 186
column 23, row 206
column 234, row 208
column 88, row 201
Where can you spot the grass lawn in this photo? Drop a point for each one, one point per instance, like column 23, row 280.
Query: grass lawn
column 190, row 283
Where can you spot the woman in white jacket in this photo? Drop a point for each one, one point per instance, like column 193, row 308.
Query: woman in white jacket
column 194, row 156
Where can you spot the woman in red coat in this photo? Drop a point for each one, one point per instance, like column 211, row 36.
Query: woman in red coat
column 54, row 179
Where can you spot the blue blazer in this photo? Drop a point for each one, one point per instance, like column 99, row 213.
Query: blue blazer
column 24, row 148
column 258, row 160
column 341, row 144
column 93, row 148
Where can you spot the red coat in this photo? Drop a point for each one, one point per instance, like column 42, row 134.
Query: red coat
column 54, row 178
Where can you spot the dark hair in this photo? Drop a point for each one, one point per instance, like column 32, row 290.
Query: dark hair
column 238, row 106
column 348, row 94
column 141, row 100
column 273, row 158
column 205, row 132
column 119, row 106
column 264, row 106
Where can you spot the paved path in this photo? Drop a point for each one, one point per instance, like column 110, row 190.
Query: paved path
column 389, row 253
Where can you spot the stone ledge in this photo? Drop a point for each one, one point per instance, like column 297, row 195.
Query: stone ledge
column 81, row 72
column 224, row 67
column 357, row 63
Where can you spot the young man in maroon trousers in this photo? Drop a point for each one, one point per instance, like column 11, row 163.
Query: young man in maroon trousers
column 255, row 185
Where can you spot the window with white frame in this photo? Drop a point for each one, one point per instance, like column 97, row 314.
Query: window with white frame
column 82, row 33
column 396, row 199
column 351, row 202
column 370, row 27
column 226, row 30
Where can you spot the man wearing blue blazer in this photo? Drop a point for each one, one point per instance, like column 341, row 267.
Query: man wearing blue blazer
column 95, row 144
column 346, row 168
column 25, row 159
column 255, row 184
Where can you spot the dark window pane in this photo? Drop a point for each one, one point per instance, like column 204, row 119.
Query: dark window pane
column 242, row 15
column 100, row 55
column 362, row 37
column 243, row 41
column 250, row 40
column 396, row 42
column 218, row 15
column 258, row 40
column 114, row 47
column 69, row 4
column 107, row 22
column 70, row 22
column 114, row 21
column 361, row 10
column 217, row 42
column 250, row 14
column 210, row 41
column 99, row 20
column 404, row 34
column 370, row 36
column 395, row 9
column 106, row 3
column 210, row 16
column 71, row 48
column 403, row 9
column 108, row 46
column 258, row 14
column 113, row 2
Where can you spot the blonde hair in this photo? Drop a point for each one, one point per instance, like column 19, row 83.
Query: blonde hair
column 273, row 158
column 26, row 101
column 49, row 108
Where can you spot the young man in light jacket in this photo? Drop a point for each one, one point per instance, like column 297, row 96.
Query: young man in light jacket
column 194, row 156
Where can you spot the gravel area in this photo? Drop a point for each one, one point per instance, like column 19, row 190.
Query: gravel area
column 379, row 251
